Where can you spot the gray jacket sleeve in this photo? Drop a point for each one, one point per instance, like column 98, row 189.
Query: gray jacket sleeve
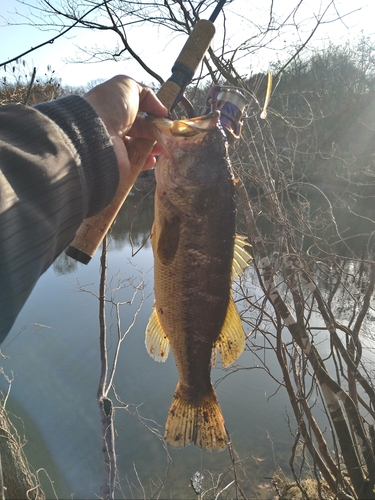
column 57, row 167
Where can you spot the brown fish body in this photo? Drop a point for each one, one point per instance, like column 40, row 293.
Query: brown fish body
column 193, row 243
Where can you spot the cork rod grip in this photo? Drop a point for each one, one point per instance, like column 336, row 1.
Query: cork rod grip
column 92, row 231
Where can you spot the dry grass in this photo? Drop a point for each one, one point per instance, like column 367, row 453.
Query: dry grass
column 308, row 488
column 19, row 84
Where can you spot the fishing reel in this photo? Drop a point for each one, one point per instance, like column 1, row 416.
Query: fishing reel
column 232, row 104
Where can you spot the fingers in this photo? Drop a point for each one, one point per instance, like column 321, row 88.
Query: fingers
column 118, row 102
column 149, row 103
column 157, row 150
column 141, row 128
column 151, row 160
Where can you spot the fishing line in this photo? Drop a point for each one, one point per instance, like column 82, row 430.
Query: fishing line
column 202, row 476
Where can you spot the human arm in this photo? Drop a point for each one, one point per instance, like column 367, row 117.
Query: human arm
column 59, row 164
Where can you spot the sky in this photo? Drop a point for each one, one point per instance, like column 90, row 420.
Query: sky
column 160, row 50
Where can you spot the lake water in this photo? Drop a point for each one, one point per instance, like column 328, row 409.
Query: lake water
column 53, row 358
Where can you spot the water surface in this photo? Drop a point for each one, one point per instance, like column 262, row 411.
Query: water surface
column 53, row 352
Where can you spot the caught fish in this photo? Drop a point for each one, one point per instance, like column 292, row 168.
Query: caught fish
column 196, row 258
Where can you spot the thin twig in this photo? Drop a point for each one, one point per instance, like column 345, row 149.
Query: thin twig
column 51, row 40
column 30, row 87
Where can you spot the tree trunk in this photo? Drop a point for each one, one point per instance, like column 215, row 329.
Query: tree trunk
column 18, row 480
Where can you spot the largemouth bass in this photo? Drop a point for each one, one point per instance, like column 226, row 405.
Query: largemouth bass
column 196, row 257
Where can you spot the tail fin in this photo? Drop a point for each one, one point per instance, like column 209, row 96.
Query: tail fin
column 201, row 423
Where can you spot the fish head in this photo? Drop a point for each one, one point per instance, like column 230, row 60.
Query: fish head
column 194, row 157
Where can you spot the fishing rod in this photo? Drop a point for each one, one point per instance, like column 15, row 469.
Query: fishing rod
column 93, row 230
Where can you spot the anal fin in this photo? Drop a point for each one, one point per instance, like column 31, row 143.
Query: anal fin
column 231, row 341
column 156, row 341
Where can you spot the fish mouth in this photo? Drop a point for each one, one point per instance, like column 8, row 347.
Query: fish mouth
column 182, row 139
column 189, row 127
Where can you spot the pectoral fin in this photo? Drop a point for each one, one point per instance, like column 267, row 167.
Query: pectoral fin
column 241, row 257
column 231, row 341
column 157, row 343
column 153, row 237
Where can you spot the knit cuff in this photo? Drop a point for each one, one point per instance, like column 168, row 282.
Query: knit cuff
column 98, row 162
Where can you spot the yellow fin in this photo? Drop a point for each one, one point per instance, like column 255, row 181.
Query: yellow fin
column 201, row 423
column 241, row 257
column 157, row 343
column 231, row 341
column 153, row 237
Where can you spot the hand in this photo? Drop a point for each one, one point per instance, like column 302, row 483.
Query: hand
column 117, row 103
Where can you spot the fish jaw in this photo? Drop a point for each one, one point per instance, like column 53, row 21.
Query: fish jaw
column 167, row 131
column 194, row 165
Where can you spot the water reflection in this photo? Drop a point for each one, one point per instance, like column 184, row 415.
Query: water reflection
column 133, row 225
column 56, row 369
